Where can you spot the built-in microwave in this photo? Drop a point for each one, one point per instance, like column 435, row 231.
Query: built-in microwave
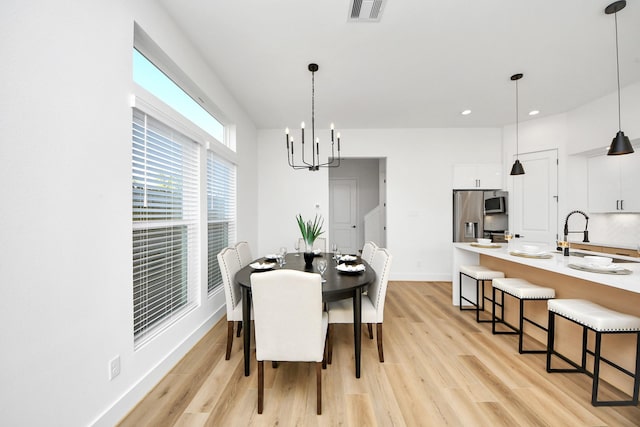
column 494, row 205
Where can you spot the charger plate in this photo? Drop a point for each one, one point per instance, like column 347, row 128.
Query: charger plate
column 491, row 246
column 621, row 271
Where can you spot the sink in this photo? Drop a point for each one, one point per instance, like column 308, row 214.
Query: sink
column 614, row 260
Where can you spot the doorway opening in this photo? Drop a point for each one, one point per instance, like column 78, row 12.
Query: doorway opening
column 357, row 203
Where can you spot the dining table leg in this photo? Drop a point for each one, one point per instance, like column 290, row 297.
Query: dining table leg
column 246, row 323
column 357, row 330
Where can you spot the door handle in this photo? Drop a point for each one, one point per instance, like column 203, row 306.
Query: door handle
column 353, row 226
column 621, row 205
column 617, row 205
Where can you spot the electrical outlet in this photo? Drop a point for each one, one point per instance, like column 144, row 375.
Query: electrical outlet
column 114, row 367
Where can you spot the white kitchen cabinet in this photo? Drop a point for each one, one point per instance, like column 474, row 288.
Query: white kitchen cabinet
column 477, row 176
column 613, row 183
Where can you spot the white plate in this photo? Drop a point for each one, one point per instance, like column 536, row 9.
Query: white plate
column 348, row 268
column 347, row 258
column 610, row 267
column 539, row 253
column 317, row 251
column 262, row 266
column 271, row 256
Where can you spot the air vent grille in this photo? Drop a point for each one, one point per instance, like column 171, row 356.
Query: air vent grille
column 365, row 10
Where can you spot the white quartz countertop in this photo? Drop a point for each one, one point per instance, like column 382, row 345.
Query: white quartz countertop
column 559, row 263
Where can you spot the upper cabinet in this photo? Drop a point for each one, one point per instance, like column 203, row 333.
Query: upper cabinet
column 477, row 176
column 613, row 183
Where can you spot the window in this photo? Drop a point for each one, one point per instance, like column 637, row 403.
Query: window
column 155, row 81
column 170, row 133
column 165, row 224
column 221, row 213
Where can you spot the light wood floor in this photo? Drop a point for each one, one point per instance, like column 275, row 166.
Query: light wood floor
column 441, row 368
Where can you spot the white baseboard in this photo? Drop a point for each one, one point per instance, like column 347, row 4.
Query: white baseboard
column 112, row 415
column 421, row 277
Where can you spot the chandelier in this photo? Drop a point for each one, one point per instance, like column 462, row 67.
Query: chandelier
column 315, row 164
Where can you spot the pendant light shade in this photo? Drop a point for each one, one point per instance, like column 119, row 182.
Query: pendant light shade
column 620, row 143
column 517, row 168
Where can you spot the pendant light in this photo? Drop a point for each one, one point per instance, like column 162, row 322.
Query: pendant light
column 517, row 168
column 315, row 164
column 620, row 143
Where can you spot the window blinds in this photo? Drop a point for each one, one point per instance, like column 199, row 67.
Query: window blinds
column 165, row 171
column 221, row 213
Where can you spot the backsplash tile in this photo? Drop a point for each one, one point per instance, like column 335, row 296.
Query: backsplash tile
column 615, row 229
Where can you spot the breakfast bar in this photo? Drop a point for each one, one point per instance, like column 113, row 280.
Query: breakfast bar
column 620, row 292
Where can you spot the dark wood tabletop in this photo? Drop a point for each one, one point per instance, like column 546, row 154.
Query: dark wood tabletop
column 338, row 286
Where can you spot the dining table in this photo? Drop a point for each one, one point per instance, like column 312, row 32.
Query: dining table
column 338, row 285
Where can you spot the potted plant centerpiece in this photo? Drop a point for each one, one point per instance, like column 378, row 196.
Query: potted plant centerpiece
column 310, row 231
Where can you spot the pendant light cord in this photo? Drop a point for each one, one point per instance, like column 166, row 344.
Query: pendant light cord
column 517, row 115
column 313, row 114
column 615, row 15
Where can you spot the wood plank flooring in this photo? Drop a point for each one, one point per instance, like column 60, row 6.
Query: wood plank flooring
column 441, row 368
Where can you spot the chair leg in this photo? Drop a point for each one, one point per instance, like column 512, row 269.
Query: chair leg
column 370, row 329
column 330, row 343
column 319, row 386
column 229, row 340
column 239, row 328
column 260, row 386
column 379, row 339
column 325, row 352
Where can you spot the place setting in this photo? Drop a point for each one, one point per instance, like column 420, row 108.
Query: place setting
column 485, row 243
column 599, row 264
column 531, row 251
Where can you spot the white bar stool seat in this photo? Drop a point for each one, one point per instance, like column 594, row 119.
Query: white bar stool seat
column 600, row 320
column 523, row 291
column 480, row 274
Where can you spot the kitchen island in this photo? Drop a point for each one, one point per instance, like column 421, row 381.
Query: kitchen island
column 617, row 292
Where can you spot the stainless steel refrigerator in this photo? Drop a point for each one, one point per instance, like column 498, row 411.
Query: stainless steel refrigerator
column 471, row 220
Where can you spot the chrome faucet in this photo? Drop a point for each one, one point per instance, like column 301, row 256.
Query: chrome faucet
column 566, row 230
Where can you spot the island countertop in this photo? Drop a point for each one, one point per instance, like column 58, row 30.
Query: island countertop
column 558, row 263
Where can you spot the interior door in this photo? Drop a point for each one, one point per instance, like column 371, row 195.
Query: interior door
column 344, row 214
column 534, row 199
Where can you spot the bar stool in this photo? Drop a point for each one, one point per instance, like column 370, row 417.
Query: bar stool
column 523, row 291
column 480, row 274
column 600, row 320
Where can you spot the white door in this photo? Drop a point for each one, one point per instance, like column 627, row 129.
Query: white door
column 344, row 214
column 534, row 202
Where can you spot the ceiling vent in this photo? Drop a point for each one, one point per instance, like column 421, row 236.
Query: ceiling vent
column 365, row 10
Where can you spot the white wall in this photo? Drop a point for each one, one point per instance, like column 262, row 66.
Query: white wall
column 419, row 193
column 575, row 133
column 65, row 253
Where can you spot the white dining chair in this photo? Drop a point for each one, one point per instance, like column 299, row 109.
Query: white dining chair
column 320, row 243
column 368, row 250
column 229, row 263
column 372, row 303
column 289, row 322
column 244, row 253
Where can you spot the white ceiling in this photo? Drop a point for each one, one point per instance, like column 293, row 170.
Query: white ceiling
column 420, row 66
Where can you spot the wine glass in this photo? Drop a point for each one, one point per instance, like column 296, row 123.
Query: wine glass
column 507, row 236
column 322, row 267
column 334, row 249
column 280, row 259
column 296, row 246
column 338, row 255
column 283, row 253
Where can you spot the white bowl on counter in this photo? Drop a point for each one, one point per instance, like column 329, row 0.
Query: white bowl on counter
column 530, row 249
column 599, row 261
column 484, row 241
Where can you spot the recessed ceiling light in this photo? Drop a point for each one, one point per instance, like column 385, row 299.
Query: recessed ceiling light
column 534, row 112
column 466, row 112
